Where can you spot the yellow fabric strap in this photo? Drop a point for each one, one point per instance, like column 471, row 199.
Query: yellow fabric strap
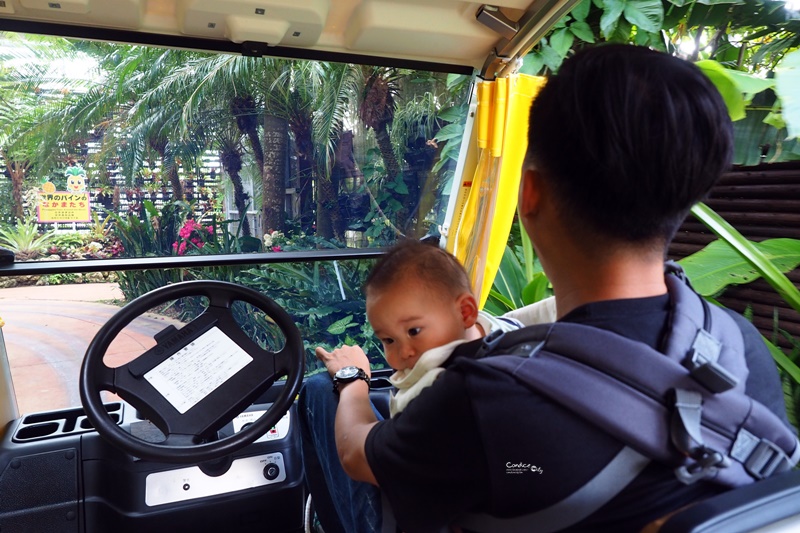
column 485, row 221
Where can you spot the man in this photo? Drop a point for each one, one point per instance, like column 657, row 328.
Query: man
column 622, row 142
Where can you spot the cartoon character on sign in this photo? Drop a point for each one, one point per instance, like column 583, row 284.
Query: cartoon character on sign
column 76, row 178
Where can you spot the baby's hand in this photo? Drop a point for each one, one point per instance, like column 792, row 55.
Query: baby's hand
column 342, row 357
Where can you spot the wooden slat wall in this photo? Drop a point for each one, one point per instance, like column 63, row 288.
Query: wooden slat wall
column 762, row 203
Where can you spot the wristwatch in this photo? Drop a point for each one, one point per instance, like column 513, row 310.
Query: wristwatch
column 348, row 374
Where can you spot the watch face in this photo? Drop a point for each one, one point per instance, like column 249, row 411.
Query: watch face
column 348, row 372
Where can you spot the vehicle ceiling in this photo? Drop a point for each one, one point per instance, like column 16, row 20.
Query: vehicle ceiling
column 439, row 31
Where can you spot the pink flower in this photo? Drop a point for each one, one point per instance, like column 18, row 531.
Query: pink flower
column 276, row 249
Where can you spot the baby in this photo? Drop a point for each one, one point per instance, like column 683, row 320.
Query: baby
column 421, row 306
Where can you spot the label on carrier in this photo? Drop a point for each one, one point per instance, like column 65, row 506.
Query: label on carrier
column 198, row 369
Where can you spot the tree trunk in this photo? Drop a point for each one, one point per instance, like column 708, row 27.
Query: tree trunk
column 306, row 186
column 243, row 108
column 327, row 211
column 175, row 181
column 273, row 176
column 392, row 168
column 169, row 166
column 240, row 200
column 255, row 144
column 387, row 153
column 232, row 163
column 17, row 171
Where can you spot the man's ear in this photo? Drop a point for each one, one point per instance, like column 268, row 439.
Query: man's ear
column 530, row 192
column 469, row 309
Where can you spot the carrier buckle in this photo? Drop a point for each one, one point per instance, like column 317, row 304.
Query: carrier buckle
column 703, row 365
column 707, row 463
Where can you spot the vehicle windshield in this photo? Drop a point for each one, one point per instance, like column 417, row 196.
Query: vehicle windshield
column 129, row 152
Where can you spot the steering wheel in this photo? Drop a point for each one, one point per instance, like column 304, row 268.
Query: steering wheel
column 196, row 379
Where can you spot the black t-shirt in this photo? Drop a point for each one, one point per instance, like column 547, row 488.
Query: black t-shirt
column 432, row 463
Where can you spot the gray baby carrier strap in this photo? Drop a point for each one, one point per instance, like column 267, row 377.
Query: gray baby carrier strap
column 685, row 408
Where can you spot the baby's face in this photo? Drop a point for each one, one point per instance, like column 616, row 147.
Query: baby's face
column 410, row 319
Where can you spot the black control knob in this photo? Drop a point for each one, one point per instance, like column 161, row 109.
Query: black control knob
column 271, row 471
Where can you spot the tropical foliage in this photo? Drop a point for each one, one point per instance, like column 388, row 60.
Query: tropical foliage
column 354, row 143
column 729, row 38
column 324, row 299
column 25, row 240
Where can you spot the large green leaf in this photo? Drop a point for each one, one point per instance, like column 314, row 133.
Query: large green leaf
column 510, row 279
column 581, row 10
column 783, row 360
column 787, row 81
column 450, row 131
column 716, row 2
column 718, row 265
column 768, row 271
column 552, row 59
column 582, row 31
column 749, row 84
column 536, row 290
column 726, row 86
column 648, row 15
column 561, row 41
column 532, row 63
column 612, row 10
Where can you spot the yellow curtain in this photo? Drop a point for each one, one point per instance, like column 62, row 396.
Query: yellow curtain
column 486, row 207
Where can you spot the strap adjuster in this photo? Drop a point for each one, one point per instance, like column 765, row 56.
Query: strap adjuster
column 765, row 459
column 703, row 366
column 686, row 435
column 490, row 342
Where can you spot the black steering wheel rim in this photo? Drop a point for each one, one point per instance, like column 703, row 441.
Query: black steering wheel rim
column 216, row 291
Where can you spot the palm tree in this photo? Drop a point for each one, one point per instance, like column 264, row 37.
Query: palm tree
column 24, row 107
column 232, row 88
column 377, row 112
column 229, row 144
column 276, row 142
column 315, row 98
column 292, row 96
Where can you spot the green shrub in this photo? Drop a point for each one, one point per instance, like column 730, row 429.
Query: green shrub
column 24, row 239
column 325, row 300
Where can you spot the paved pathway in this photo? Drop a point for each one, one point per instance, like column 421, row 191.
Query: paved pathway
column 47, row 331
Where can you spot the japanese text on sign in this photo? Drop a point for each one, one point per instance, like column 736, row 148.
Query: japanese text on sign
column 64, row 207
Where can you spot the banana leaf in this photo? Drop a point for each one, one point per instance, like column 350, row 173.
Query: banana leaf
column 719, row 265
column 769, row 271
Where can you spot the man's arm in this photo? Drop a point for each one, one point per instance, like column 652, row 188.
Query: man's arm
column 354, row 416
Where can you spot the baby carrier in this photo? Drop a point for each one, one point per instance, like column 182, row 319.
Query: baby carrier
column 686, row 407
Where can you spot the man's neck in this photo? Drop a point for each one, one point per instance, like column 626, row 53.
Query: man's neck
column 621, row 275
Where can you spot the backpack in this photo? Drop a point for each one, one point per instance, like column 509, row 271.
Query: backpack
column 685, row 408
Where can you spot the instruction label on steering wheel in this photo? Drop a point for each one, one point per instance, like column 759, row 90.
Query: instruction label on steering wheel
column 198, row 369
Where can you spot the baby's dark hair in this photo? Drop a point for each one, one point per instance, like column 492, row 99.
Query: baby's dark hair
column 427, row 263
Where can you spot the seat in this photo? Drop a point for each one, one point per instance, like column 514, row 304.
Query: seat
column 771, row 505
column 380, row 392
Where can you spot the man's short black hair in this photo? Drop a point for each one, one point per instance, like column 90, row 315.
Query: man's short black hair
column 629, row 139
